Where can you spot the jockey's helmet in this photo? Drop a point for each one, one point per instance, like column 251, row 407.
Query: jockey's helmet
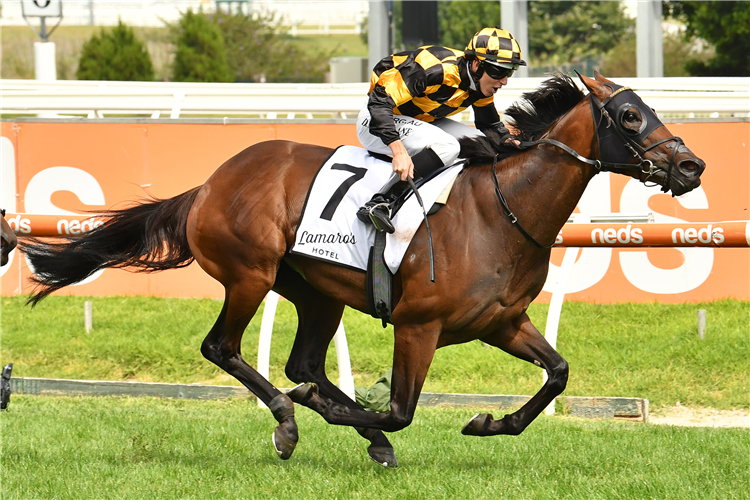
column 497, row 51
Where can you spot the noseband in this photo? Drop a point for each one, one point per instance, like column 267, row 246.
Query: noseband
column 615, row 143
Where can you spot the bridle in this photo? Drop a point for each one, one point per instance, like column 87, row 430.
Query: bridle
column 613, row 136
column 613, row 141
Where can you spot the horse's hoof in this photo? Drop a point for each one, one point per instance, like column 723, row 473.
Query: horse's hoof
column 477, row 425
column 383, row 456
column 302, row 393
column 284, row 442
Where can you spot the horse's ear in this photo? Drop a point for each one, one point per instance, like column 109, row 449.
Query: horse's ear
column 597, row 88
column 600, row 78
column 589, row 83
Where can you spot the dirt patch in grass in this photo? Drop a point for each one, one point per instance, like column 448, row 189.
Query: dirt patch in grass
column 699, row 417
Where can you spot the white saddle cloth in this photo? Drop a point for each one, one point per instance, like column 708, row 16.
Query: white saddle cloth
column 329, row 229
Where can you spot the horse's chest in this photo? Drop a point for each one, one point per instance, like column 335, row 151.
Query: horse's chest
column 479, row 320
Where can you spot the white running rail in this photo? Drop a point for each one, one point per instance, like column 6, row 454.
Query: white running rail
column 675, row 97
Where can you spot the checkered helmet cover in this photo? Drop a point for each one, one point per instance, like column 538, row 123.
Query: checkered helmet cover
column 495, row 45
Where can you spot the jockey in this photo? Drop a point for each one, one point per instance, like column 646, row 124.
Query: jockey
column 412, row 93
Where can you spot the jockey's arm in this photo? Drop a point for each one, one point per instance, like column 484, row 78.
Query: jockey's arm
column 402, row 163
column 487, row 120
column 381, row 106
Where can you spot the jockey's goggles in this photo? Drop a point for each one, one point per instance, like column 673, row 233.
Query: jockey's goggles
column 497, row 72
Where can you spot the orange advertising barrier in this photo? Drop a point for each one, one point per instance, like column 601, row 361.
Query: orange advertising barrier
column 52, row 225
column 697, row 234
column 76, row 168
column 730, row 234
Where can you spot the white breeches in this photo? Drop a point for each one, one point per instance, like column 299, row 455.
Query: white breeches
column 441, row 135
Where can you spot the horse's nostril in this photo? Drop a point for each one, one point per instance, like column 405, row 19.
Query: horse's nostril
column 691, row 166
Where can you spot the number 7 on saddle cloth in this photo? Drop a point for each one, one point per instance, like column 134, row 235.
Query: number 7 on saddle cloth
column 329, row 229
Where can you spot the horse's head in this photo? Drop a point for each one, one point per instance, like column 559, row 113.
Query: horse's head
column 7, row 239
column 629, row 132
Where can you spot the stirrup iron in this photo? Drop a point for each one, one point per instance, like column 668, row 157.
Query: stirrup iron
column 381, row 225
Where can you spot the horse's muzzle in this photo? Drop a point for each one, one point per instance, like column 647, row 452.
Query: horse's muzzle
column 687, row 175
column 7, row 244
column 692, row 166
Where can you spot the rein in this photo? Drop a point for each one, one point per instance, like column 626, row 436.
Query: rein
column 643, row 166
column 506, row 207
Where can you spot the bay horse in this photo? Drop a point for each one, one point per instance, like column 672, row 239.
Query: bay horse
column 8, row 240
column 491, row 243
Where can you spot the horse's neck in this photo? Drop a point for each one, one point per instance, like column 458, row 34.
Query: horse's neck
column 567, row 175
column 543, row 185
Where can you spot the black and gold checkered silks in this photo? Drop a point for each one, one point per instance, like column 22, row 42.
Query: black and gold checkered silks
column 495, row 44
column 426, row 83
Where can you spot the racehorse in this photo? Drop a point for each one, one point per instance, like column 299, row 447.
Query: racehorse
column 491, row 243
column 8, row 239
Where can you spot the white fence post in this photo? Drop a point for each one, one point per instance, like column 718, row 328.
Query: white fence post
column 264, row 341
column 558, row 296
column 346, row 381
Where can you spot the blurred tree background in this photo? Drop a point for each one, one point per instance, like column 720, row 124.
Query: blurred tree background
column 725, row 27
column 705, row 38
column 259, row 49
column 215, row 47
column 708, row 38
column 115, row 54
column 200, row 55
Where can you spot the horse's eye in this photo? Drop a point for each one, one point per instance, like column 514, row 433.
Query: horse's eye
column 630, row 117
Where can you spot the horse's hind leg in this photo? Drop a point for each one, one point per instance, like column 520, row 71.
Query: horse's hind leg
column 222, row 347
column 318, row 319
column 413, row 349
column 522, row 340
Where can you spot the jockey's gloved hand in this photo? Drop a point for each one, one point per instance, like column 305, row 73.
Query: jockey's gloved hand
column 511, row 141
column 498, row 134
column 506, row 138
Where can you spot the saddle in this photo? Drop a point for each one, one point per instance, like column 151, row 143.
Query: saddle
column 329, row 230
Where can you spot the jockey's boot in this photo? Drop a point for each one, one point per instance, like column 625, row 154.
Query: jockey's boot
column 377, row 211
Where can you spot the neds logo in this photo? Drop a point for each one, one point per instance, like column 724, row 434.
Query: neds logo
column 19, row 224
column 77, row 227
column 703, row 235
column 624, row 235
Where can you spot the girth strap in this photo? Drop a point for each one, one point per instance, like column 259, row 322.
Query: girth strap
column 378, row 282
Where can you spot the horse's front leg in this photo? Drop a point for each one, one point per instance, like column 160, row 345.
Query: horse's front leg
column 413, row 350
column 522, row 340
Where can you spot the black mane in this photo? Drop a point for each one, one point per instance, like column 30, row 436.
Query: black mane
column 531, row 116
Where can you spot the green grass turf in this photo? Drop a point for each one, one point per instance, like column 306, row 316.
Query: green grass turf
column 153, row 448
column 638, row 350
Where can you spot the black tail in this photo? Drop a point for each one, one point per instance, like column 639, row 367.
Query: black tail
column 148, row 237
